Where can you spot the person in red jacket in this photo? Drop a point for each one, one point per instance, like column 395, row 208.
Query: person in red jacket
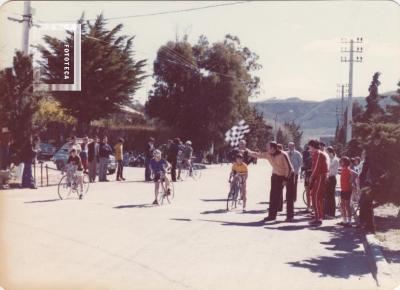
column 318, row 178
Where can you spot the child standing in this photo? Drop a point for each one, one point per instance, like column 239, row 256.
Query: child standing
column 346, row 184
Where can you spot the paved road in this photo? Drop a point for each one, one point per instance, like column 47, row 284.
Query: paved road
column 113, row 239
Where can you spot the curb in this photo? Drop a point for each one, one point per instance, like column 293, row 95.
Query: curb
column 381, row 270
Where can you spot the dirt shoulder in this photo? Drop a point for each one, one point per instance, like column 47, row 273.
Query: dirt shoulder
column 388, row 232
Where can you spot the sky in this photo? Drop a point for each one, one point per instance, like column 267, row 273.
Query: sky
column 298, row 42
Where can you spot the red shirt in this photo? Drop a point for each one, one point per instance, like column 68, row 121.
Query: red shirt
column 319, row 164
column 345, row 179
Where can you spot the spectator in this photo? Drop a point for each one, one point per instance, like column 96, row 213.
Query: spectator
column 119, row 149
column 306, row 169
column 282, row 172
column 93, row 158
column 148, row 153
column 319, row 175
column 84, row 154
column 73, row 144
column 297, row 161
column 329, row 203
column 29, row 154
column 346, row 190
column 104, row 155
column 172, row 157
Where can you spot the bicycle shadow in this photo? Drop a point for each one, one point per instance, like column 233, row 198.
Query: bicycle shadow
column 44, row 200
column 239, row 224
column 144, row 205
column 214, row 211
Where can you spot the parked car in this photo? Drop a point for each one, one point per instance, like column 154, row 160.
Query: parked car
column 46, row 151
column 61, row 157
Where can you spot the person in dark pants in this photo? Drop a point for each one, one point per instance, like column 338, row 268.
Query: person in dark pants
column 105, row 151
column 329, row 200
column 119, row 153
column 281, row 175
column 172, row 157
column 93, row 158
column 297, row 161
column 28, row 158
column 148, row 153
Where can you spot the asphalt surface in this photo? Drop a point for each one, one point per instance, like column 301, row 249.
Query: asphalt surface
column 115, row 239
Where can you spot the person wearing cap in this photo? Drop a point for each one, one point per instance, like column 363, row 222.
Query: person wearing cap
column 282, row 173
column 239, row 170
column 119, row 158
column 148, row 153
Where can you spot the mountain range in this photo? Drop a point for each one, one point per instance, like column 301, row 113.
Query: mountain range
column 317, row 118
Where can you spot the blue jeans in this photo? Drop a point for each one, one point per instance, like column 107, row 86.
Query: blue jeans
column 27, row 178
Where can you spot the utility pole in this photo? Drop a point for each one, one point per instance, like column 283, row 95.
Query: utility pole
column 351, row 50
column 27, row 24
column 342, row 90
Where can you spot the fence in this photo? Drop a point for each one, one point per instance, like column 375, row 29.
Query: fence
column 43, row 174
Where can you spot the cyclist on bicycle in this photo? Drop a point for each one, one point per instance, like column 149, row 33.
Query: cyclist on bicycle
column 239, row 172
column 159, row 167
column 75, row 170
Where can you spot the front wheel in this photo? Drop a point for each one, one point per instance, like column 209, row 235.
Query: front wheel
column 233, row 194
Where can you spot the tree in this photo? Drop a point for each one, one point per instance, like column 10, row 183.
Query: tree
column 18, row 102
column 281, row 137
column 373, row 110
column 394, row 110
column 294, row 133
column 203, row 89
column 110, row 75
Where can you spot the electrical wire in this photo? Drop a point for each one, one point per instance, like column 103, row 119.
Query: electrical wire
column 161, row 12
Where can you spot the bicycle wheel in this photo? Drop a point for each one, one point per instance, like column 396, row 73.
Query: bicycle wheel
column 64, row 189
column 171, row 187
column 85, row 184
column 232, row 197
column 305, row 197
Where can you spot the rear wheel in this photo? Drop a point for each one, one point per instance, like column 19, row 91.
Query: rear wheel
column 64, row 188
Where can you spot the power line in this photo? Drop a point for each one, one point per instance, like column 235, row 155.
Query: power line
column 165, row 12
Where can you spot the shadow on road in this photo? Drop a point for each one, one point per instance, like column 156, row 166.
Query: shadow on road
column 211, row 200
column 134, row 206
column 180, row 219
column 214, row 211
column 247, row 224
column 40, row 201
column 347, row 260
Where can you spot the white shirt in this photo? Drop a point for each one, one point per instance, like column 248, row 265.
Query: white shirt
column 333, row 166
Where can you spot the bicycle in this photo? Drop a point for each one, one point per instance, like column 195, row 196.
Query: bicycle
column 191, row 170
column 163, row 190
column 235, row 192
column 69, row 184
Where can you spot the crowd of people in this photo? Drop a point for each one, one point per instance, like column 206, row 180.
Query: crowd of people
column 317, row 164
column 320, row 167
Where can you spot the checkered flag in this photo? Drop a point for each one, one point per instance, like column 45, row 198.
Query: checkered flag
column 236, row 133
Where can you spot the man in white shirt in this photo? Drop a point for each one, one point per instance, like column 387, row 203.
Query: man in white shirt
column 329, row 202
column 297, row 161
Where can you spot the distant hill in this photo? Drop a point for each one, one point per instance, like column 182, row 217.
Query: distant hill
column 317, row 118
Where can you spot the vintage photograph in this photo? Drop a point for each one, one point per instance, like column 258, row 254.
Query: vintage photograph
column 200, row 145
